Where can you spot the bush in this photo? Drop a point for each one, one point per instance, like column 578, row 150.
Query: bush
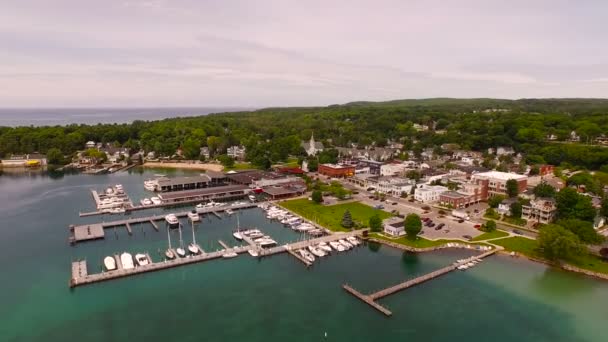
column 490, row 226
column 317, row 196
column 375, row 223
column 412, row 225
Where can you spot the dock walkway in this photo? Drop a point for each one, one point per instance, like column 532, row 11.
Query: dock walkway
column 371, row 298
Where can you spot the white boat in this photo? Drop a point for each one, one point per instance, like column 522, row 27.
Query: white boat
column 304, row 253
column 141, row 259
column 251, row 198
column 337, row 246
column 353, row 240
column 324, row 246
column 116, row 210
column 109, row 191
column 156, row 200
column 345, row 243
column 193, row 216
column 172, row 220
column 462, row 267
column 255, row 234
column 229, row 211
column 126, row 260
column 253, row 252
column 238, row 235
column 266, row 241
column 193, row 248
column 146, row 201
column 181, row 252
column 470, row 264
column 316, row 251
column 228, row 255
column 110, row 263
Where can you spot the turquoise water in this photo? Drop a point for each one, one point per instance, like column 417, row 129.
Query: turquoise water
column 275, row 299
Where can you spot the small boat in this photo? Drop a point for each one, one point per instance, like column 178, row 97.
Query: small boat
column 172, row 220
column 253, row 252
column 462, row 267
column 110, row 263
column 117, row 210
column 255, row 234
column 229, row 211
column 353, row 240
column 193, row 248
column 156, row 200
column 238, row 235
column 316, row 251
column 325, row 247
column 265, row 241
column 181, row 252
column 345, row 243
column 109, row 191
column 470, row 264
column 228, row 255
column 169, row 254
column 193, row 216
column 146, row 201
column 141, row 259
column 126, row 260
column 251, row 198
column 337, row 246
column 304, row 253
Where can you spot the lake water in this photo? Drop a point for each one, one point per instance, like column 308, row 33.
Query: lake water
column 64, row 116
column 275, row 299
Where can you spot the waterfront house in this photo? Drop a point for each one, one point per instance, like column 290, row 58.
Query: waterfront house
column 541, row 210
column 394, row 226
column 236, row 152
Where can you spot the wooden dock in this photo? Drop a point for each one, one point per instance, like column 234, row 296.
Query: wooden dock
column 223, row 244
column 131, row 207
column 94, row 231
column 299, row 257
column 371, row 298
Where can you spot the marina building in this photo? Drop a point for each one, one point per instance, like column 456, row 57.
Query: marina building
column 222, row 193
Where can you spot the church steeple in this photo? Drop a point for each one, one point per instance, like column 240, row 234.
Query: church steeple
column 312, row 139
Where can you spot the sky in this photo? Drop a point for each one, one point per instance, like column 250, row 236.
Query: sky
column 143, row 53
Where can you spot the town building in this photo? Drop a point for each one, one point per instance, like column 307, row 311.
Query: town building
column 394, row 226
column 115, row 154
column 336, row 170
column 541, row 210
column 183, row 183
column 236, row 152
column 495, row 182
column 312, row 147
column 395, row 186
column 204, row 151
column 90, row 144
column 504, row 207
column 428, row 193
column 393, row 169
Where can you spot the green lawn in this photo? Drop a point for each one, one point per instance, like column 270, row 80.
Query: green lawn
column 590, row 262
column 420, row 242
column 521, row 245
column 493, row 235
column 331, row 216
column 516, row 221
column 241, row 166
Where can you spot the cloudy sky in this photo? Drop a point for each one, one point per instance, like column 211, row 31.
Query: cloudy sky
column 132, row 53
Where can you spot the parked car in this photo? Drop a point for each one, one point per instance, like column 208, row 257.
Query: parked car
column 468, row 237
column 394, row 203
column 476, row 211
column 379, row 206
column 441, row 225
column 461, row 220
column 425, row 219
column 477, row 226
column 518, row 232
column 371, row 197
column 411, row 200
column 432, row 224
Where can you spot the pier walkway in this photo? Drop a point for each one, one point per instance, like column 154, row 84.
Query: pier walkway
column 96, row 230
column 371, row 298
column 81, row 277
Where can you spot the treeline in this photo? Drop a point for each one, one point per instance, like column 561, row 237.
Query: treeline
column 271, row 134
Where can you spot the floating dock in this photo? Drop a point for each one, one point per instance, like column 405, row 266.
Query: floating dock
column 95, row 231
column 371, row 298
column 81, row 277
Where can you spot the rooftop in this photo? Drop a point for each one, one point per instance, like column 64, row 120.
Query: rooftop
column 500, row 175
column 184, row 180
column 201, row 192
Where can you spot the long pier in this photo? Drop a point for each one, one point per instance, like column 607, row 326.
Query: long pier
column 94, row 231
column 371, row 298
column 81, row 277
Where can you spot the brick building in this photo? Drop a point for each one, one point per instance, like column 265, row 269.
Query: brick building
column 336, row 170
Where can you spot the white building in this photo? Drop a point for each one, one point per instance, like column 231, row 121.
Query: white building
column 90, row 144
column 428, row 193
column 395, row 186
column 312, row 147
column 236, row 152
column 394, row 227
column 392, row 169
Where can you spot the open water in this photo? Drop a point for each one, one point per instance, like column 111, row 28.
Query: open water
column 275, row 299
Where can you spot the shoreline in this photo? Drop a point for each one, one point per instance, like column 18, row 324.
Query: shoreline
column 185, row 166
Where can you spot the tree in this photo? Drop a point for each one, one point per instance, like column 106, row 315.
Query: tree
column 413, row 174
column 347, row 220
column 490, row 226
column 317, row 196
column 54, row 156
column 191, row 148
column 544, row 190
column 556, row 242
column 412, row 225
column 226, row 160
column 512, row 188
column 375, row 223
column 516, row 209
column 495, row 200
column 604, row 208
column 583, row 229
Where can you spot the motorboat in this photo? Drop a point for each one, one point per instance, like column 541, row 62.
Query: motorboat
column 141, row 259
column 255, row 234
column 238, row 235
column 156, row 200
column 118, row 210
column 462, row 267
column 228, row 255
column 265, row 241
column 306, row 255
column 109, row 191
column 146, row 201
column 251, row 198
column 316, row 251
column 193, row 216
column 324, row 246
column 353, row 240
column 127, row 261
column 229, row 211
column 110, row 263
column 345, row 243
column 181, row 252
column 193, row 248
column 253, row 252
column 337, row 246
column 172, row 220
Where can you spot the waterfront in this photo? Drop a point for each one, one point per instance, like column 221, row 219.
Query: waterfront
column 274, row 299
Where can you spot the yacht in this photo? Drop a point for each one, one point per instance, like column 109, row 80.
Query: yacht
column 324, row 246
column 146, row 201
column 193, row 248
column 265, row 241
column 228, row 255
column 156, row 200
column 172, row 220
column 304, row 253
column 141, row 259
column 316, row 251
column 255, row 234
column 345, row 243
column 127, row 261
column 229, row 211
column 181, row 252
column 337, row 246
column 353, row 240
column 110, row 263
column 193, row 216
column 109, row 191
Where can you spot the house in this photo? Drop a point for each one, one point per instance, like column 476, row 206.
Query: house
column 574, row 137
column 90, row 144
column 369, row 153
column 420, row 128
column 504, row 207
column 495, row 182
column 312, row 147
column 115, row 154
column 236, row 152
column 393, row 169
column 428, row 193
column 599, row 222
column 470, row 193
column 204, row 151
column 541, row 210
column 395, row 186
column 504, row 151
column 394, row 226
column 551, row 137
column 431, row 175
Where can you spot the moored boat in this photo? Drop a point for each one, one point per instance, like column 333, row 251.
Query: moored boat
column 193, row 216
column 172, row 221
column 230, row 254
column 110, row 263
column 141, row 259
column 126, row 260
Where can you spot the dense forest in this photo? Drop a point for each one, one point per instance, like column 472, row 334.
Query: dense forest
column 271, row 134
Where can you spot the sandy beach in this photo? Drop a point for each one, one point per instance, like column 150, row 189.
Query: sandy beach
column 188, row 166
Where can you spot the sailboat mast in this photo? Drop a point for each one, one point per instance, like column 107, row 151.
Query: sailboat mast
column 193, row 237
column 169, row 237
column 181, row 242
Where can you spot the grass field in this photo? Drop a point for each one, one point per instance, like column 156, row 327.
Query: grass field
column 420, row 242
column 241, row 166
column 331, row 216
column 493, row 235
column 521, row 245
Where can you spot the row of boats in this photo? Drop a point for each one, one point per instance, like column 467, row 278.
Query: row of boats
column 256, row 236
column 127, row 261
column 324, row 248
column 151, row 201
column 289, row 220
column 113, row 200
column 465, row 264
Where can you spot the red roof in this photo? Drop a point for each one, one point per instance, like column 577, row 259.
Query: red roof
column 291, row 170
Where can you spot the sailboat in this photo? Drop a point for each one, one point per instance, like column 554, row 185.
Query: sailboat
column 169, row 252
column 192, row 247
column 180, row 250
column 238, row 235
